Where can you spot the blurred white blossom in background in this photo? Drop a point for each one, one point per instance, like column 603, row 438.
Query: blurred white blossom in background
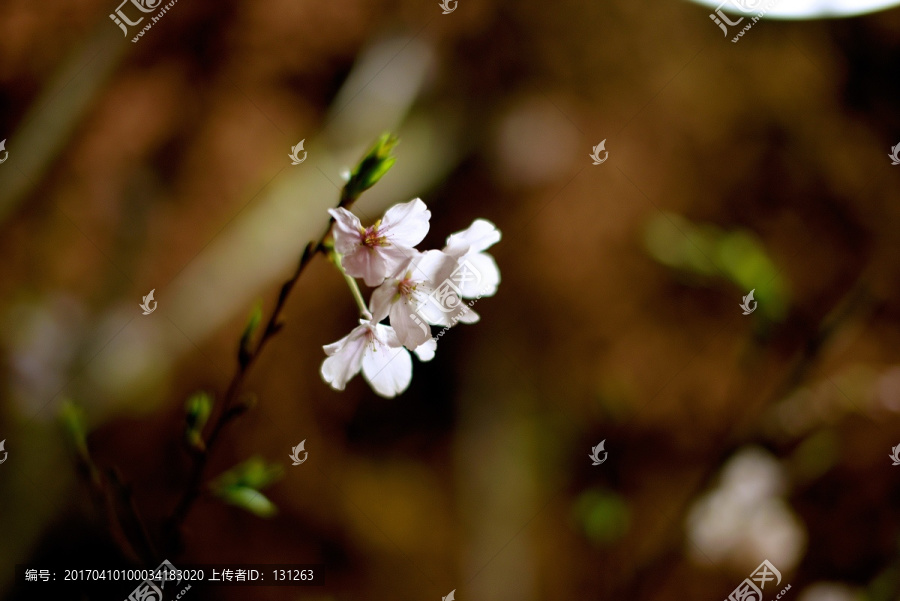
column 804, row 9
column 745, row 518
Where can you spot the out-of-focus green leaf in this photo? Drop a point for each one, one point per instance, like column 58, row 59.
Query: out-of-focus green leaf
column 196, row 412
column 705, row 251
column 815, row 455
column 603, row 516
column 884, row 586
column 72, row 418
column 254, row 473
column 249, row 499
column 241, row 484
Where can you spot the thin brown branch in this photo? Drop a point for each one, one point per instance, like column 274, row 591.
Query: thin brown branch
column 228, row 410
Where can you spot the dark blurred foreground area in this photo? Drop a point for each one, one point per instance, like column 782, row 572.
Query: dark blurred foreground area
column 731, row 438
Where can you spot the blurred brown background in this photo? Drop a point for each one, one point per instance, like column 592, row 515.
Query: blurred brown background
column 761, row 165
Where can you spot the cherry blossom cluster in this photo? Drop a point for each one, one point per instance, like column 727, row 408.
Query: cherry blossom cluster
column 413, row 290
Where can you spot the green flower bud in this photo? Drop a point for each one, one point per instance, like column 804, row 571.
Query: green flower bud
column 370, row 169
column 197, row 410
column 244, row 351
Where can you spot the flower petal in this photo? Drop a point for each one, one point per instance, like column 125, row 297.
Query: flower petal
column 439, row 310
column 411, row 329
column 426, row 350
column 366, row 263
column 345, row 357
column 382, row 298
column 432, row 267
column 478, row 275
column 388, row 370
column 478, row 237
column 387, row 335
column 468, row 315
column 406, row 224
column 396, row 258
column 345, row 230
column 437, row 300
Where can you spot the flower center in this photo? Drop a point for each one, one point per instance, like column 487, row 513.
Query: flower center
column 406, row 287
column 371, row 238
column 370, row 340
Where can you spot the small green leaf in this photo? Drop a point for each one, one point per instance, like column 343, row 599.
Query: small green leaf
column 249, row 499
column 240, row 486
column 72, row 418
column 252, row 473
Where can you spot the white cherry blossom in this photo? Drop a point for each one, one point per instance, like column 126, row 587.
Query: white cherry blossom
column 482, row 275
column 380, row 250
column 416, row 296
column 374, row 349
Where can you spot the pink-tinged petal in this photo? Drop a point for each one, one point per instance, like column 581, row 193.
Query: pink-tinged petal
column 438, row 311
column 456, row 247
column 436, row 298
column 478, row 237
column 345, row 358
column 381, row 300
column 345, row 230
column 366, row 263
column 478, row 275
column 387, row 370
column 411, row 329
column 432, row 267
column 406, row 224
column 396, row 258
column 387, row 335
column 426, row 350
column 334, row 347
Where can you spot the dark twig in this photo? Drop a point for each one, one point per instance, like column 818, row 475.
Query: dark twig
column 228, row 410
column 369, row 170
